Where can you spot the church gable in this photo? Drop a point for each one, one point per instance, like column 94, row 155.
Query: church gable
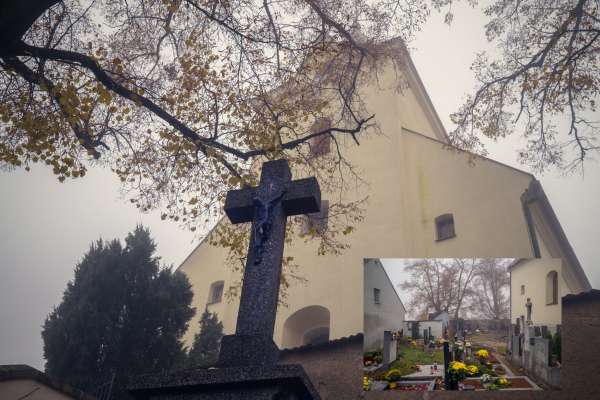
column 548, row 238
column 397, row 96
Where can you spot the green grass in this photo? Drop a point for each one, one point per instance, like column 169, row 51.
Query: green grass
column 409, row 356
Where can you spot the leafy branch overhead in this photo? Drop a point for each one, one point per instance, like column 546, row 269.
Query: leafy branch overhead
column 544, row 85
column 180, row 97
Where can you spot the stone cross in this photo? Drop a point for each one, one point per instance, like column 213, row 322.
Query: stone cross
column 267, row 206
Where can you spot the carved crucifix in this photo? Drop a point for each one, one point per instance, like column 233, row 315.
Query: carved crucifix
column 267, row 206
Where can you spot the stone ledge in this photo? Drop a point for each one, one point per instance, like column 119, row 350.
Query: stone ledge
column 251, row 382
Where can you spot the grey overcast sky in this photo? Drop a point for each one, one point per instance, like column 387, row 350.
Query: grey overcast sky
column 47, row 226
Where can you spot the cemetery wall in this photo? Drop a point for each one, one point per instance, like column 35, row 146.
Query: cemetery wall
column 481, row 324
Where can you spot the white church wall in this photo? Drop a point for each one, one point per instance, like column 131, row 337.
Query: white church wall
column 384, row 313
column 532, row 274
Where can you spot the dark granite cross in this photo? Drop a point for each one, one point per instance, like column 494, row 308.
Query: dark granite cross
column 267, row 206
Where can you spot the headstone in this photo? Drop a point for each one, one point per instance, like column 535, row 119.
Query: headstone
column 247, row 366
column 537, row 331
column 521, row 343
column 446, row 365
column 415, row 329
column 390, row 348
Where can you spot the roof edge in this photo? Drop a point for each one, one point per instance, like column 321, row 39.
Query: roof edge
column 421, row 92
column 390, row 282
column 470, row 153
column 22, row 371
column 535, row 193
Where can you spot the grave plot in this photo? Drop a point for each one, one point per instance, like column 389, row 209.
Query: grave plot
column 415, row 367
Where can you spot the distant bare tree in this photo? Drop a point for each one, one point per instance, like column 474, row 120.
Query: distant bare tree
column 439, row 284
column 489, row 296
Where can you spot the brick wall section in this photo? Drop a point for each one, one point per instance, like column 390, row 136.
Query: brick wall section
column 581, row 344
column 335, row 368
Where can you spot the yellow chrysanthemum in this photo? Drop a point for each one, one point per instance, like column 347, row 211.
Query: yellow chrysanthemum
column 457, row 365
column 503, row 381
column 483, row 353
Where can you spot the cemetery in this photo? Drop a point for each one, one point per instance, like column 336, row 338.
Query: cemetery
column 406, row 364
column 241, row 122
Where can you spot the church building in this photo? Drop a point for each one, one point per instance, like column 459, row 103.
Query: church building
column 383, row 308
column 424, row 201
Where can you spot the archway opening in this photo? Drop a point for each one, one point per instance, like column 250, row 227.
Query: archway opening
column 309, row 325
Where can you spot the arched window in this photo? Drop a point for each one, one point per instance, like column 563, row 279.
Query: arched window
column 309, row 325
column 215, row 293
column 552, row 288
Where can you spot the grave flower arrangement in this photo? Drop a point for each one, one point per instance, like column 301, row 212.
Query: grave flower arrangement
column 482, row 354
column 472, row 370
column 457, row 370
column 485, row 378
column 366, row 383
column 392, row 375
column 502, row 382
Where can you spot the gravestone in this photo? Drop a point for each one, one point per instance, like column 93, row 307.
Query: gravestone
column 415, row 329
column 247, row 366
column 537, row 331
column 447, row 384
column 390, row 348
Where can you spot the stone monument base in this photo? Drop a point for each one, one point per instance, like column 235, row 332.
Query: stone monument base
column 240, row 350
column 282, row 382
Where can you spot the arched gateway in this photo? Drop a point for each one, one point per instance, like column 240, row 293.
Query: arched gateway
column 308, row 325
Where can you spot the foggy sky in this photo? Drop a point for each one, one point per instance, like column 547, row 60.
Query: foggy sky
column 47, row 226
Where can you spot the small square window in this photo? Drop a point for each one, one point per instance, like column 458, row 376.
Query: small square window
column 376, row 296
column 215, row 292
column 444, row 226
